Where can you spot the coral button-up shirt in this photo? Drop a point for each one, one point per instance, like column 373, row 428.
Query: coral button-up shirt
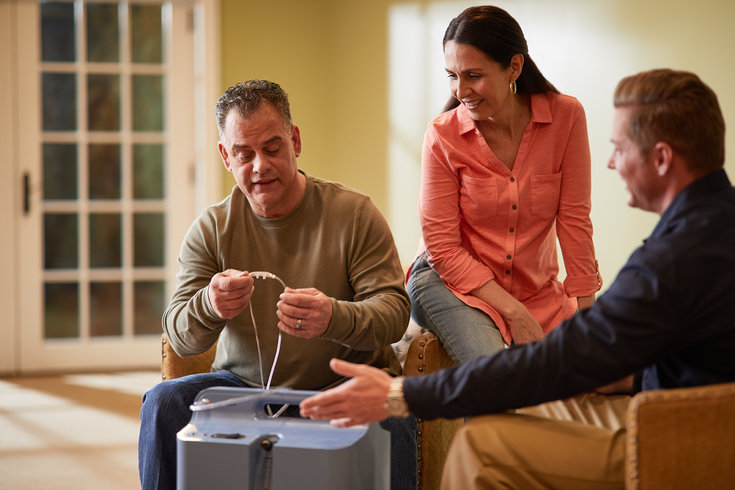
column 482, row 221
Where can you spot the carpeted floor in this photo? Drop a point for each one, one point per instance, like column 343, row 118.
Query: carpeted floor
column 71, row 431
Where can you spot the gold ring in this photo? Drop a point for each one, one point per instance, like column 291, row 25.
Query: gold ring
column 298, row 323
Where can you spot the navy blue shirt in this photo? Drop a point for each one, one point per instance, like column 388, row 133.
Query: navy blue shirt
column 669, row 315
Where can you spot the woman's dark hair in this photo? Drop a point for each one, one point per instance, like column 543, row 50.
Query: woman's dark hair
column 494, row 32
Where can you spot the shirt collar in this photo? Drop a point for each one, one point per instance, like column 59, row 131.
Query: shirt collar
column 711, row 183
column 540, row 113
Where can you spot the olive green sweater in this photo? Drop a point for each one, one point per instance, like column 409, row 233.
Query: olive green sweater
column 335, row 241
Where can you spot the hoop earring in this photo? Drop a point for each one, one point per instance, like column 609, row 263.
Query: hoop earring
column 513, row 87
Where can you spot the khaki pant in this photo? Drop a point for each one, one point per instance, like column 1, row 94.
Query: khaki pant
column 570, row 444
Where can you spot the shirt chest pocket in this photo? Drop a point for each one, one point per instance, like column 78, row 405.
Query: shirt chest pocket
column 478, row 197
column 545, row 191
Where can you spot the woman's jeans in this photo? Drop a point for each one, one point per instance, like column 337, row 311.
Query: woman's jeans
column 464, row 331
column 165, row 412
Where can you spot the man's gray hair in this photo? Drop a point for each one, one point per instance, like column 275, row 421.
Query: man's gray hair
column 246, row 98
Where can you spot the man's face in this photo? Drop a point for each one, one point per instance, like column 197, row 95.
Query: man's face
column 261, row 154
column 637, row 171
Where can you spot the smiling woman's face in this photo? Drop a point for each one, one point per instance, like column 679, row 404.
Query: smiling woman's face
column 479, row 83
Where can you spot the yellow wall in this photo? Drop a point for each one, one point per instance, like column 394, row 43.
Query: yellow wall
column 332, row 57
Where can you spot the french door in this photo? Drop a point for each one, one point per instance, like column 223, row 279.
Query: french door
column 107, row 96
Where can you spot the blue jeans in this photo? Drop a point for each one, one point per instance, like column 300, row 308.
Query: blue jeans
column 464, row 331
column 165, row 412
column 403, row 468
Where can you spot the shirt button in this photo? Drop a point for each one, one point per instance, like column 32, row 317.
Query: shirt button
column 512, row 179
column 515, row 207
column 508, row 257
column 512, row 230
column 507, row 273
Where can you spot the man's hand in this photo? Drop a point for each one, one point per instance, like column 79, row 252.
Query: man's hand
column 304, row 313
column 624, row 386
column 229, row 292
column 358, row 401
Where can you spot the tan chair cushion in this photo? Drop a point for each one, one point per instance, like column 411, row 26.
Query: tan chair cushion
column 175, row 366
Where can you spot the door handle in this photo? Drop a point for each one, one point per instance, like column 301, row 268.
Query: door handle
column 26, row 193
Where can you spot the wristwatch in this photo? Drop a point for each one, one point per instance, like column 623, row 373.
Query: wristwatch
column 395, row 404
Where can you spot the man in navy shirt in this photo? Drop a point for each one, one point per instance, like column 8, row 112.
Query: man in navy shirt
column 667, row 321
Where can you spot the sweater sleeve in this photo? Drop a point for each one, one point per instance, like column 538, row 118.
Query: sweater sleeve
column 189, row 321
column 379, row 311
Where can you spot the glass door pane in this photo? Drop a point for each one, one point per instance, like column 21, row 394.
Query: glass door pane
column 103, row 104
column 107, row 167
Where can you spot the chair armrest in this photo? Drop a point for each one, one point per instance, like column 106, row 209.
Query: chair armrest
column 426, row 355
column 681, row 438
column 175, row 366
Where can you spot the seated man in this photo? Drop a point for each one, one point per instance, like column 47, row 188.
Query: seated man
column 329, row 244
column 668, row 319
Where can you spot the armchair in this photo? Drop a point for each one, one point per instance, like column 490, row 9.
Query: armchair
column 681, row 438
column 426, row 355
column 175, row 366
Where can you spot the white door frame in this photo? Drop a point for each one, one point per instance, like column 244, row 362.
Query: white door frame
column 10, row 206
column 198, row 169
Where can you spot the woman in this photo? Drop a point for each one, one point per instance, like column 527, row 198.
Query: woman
column 505, row 170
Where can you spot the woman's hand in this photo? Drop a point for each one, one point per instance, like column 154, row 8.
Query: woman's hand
column 523, row 327
column 584, row 302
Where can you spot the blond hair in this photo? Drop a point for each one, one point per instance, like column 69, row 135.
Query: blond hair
column 675, row 107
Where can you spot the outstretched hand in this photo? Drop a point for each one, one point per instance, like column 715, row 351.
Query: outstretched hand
column 358, row 401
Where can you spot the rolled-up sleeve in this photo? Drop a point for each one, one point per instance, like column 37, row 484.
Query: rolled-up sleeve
column 573, row 223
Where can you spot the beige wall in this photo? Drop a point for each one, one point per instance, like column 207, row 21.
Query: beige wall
column 332, row 58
